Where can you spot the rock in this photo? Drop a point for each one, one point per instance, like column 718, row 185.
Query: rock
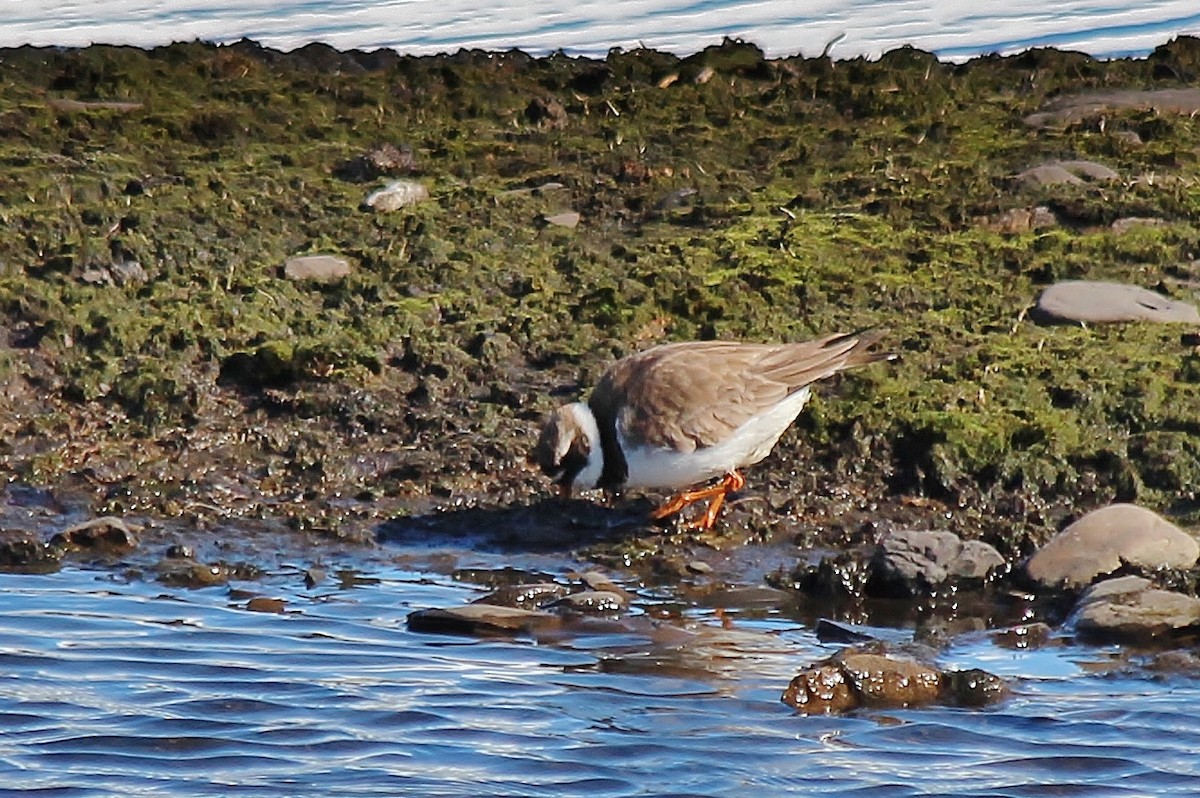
column 699, row 567
column 910, row 562
column 1125, row 224
column 824, row 689
column 1022, row 220
column 568, row 219
column 65, row 105
column 316, row 268
column 598, row 581
column 1028, row 635
column 1067, row 173
column 828, row 631
column 592, row 601
column 1086, row 301
column 546, row 112
column 396, row 195
column 1106, row 539
column 313, row 577
column 1131, row 609
column 106, row 534
column 1072, row 108
column 119, row 274
column 866, row 678
column 480, row 619
column 527, row 596
column 24, row 552
column 264, row 604
column 182, row 573
column 972, row 688
column 383, row 160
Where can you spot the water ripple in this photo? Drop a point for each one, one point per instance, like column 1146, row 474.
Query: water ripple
column 128, row 690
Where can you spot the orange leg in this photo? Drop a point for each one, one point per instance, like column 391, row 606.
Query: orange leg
column 715, row 496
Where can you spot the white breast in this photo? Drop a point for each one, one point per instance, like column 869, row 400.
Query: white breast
column 659, row 467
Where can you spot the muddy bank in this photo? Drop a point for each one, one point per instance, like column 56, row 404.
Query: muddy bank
column 163, row 357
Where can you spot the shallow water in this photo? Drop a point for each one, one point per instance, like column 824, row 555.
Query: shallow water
column 115, row 686
column 952, row 29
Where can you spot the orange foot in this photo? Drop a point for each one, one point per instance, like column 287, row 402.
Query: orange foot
column 715, row 496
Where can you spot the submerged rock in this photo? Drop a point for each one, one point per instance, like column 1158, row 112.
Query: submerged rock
column 1106, row 539
column 910, row 562
column 864, row 678
column 1130, row 609
column 1087, row 301
column 481, row 619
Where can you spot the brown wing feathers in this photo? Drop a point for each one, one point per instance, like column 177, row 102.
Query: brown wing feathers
column 690, row 395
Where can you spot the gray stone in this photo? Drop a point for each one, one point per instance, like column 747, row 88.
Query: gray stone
column 1085, row 301
column 1127, row 223
column 480, row 619
column 1131, row 609
column 316, row 268
column 396, row 195
column 1104, row 540
column 568, row 219
column 1071, row 108
column 908, row 562
column 1067, row 173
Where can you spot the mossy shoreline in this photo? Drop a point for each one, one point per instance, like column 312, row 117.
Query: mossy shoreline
column 158, row 362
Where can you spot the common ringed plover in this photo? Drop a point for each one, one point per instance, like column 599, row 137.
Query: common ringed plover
column 680, row 414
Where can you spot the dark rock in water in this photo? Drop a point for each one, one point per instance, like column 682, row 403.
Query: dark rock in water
column 265, row 604
column 1107, row 539
column 910, row 562
column 107, row 534
column 183, row 573
column 1085, row 301
column 972, row 688
column 1130, row 609
column 316, row 268
column 481, row 619
column 866, row 678
column 313, row 577
column 828, row 631
column 592, row 601
column 1028, row 635
column 526, row 596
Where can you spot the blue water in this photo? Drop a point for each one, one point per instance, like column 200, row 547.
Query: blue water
column 950, row 28
column 111, row 686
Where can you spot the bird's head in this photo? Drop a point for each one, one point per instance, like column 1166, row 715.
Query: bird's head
column 568, row 450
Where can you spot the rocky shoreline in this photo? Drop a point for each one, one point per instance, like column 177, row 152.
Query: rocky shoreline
column 331, row 295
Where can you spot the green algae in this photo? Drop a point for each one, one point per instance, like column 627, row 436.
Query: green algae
column 772, row 200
